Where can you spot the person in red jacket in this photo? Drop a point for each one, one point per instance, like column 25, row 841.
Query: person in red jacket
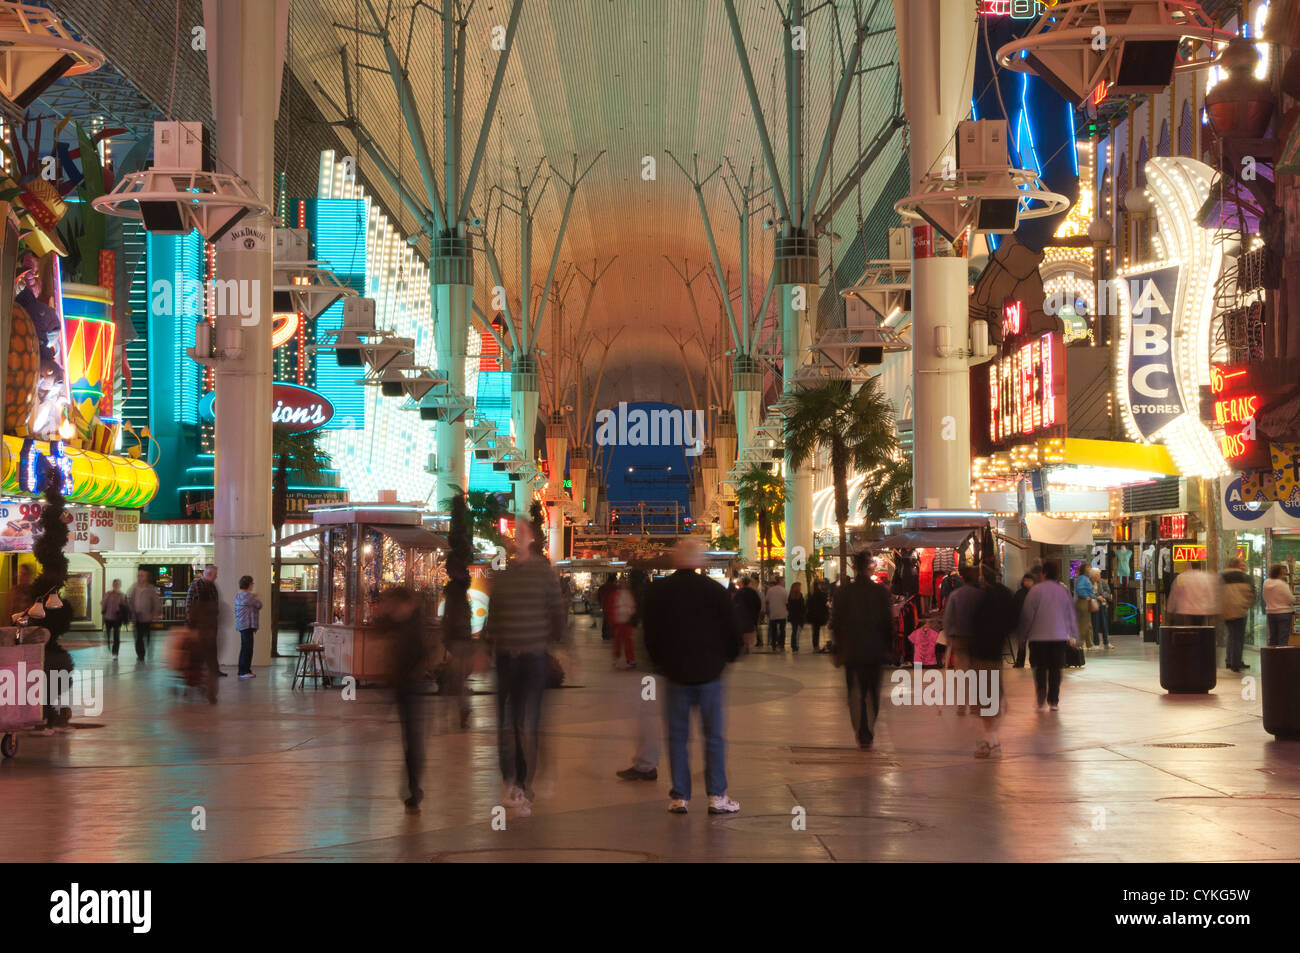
column 620, row 609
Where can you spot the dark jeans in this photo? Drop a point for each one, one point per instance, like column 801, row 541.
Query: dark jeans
column 521, row 680
column 411, row 715
column 1047, row 659
column 208, row 653
column 708, row 699
column 1020, row 655
column 794, row 635
column 1279, row 627
column 1236, row 641
column 863, row 682
column 246, row 651
column 1101, row 625
column 776, row 633
column 142, row 630
column 113, row 634
column 817, row 636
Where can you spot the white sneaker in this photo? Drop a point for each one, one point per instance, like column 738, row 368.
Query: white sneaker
column 1056, row 708
column 677, row 806
column 524, row 808
column 514, row 796
column 721, row 804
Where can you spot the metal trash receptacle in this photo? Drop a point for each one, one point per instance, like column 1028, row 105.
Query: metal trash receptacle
column 1279, row 685
column 1187, row 659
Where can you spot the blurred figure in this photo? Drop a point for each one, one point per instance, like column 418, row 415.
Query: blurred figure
column 399, row 618
column 819, row 611
column 796, row 611
column 458, row 640
column 248, row 608
column 614, row 520
column 648, row 716
column 1279, row 605
column 620, row 609
column 1048, row 622
column 775, row 602
column 691, row 635
column 950, row 582
column 1085, row 607
column 202, row 611
column 1101, row 617
column 748, row 607
column 864, row 630
column 602, row 593
column 959, row 619
column 1238, row 597
column 146, row 608
column 113, row 608
column 1026, row 583
column 527, row 615
column 994, row 623
column 1193, row 597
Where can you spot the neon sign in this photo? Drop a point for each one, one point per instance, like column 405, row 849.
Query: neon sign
column 1015, row 9
column 1022, row 391
column 1013, row 316
column 1234, row 404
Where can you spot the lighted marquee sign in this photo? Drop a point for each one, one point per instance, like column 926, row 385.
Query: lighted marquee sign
column 1163, row 352
column 1015, row 9
column 1025, row 384
column 297, row 409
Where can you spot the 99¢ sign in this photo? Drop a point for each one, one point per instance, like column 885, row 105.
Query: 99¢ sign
column 17, row 522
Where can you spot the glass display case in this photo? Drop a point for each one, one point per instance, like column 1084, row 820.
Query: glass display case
column 365, row 550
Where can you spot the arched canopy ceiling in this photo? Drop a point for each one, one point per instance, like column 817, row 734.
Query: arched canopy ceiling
column 634, row 79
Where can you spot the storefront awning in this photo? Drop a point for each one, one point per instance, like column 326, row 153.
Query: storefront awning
column 1055, row 532
column 940, row 538
column 415, row 536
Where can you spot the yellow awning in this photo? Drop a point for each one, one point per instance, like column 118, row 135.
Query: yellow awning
column 1116, row 454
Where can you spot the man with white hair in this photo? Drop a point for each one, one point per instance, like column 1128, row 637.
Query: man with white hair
column 691, row 635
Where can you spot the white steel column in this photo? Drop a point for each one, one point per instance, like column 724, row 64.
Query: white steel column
column 243, row 39
column 796, row 339
column 936, row 38
column 453, row 300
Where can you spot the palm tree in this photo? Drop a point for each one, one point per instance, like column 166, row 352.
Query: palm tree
column 885, row 493
column 856, row 428
column 761, row 495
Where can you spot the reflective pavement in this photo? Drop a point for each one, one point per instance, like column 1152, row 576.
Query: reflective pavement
column 1123, row 772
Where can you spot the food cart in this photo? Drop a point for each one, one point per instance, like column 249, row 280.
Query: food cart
column 366, row 548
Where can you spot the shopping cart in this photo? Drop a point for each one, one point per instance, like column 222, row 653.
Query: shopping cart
column 17, row 715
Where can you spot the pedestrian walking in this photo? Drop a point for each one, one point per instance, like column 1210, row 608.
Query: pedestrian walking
column 1193, row 598
column 113, row 608
column 1049, row 622
column 691, row 635
column 1026, row 583
column 146, row 609
column 819, row 611
column 21, row 595
column 994, row 622
column 458, row 640
column 748, row 607
column 1085, row 607
column 202, row 612
column 248, row 610
column 400, row 620
column 774, row 601
column 959, row 618
column 1101, row 617
column 863, row 628
column 620, row 609
column 796, row 613
column 1279, row 605
column 602, row 593
column 647, row 713
column 527, row 616
column 1238, row 597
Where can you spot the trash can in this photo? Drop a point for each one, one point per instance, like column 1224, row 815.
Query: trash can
column 1187, row 659
column 1280, row 689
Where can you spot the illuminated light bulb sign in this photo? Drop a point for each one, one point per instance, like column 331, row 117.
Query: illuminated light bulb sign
column 1024, row 389
column 1163, row 353
column 297, row 409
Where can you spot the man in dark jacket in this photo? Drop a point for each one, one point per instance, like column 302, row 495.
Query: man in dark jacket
column 691, row 635
column 202, row 609
column 863, row 628
column 1026, row 583
column 400, row 620
column 748, row 607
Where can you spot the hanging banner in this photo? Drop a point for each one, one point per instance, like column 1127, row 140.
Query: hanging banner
column 1154, row 396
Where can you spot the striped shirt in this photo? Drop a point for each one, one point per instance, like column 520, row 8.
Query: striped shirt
column 527, row 610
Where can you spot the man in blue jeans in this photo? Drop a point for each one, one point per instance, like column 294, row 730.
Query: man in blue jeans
column 691, row 635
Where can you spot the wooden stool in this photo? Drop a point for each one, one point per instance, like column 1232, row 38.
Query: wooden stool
column 311, row 665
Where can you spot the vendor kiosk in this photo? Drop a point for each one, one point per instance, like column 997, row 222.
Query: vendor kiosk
column 365, row 549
